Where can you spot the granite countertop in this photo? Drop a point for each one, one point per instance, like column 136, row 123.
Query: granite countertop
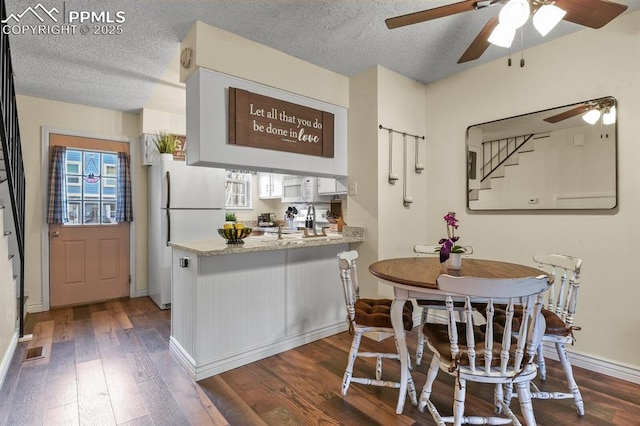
column 218, row 246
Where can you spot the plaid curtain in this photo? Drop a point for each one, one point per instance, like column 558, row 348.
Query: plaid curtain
column 124, row 210
column 57, row 209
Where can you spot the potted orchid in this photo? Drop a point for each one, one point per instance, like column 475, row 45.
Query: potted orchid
column 450, row 252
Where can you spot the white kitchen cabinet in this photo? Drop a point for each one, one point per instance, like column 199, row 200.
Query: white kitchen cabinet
column 328, row 186
column 270, row 185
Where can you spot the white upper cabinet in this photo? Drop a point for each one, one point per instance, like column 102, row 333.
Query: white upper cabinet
column 270, row 185
column 328, row 186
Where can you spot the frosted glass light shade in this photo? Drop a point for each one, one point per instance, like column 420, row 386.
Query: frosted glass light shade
column 547, row 17
column 592, row 116
column 609, row 117
column 502, row 35
column 515, row 13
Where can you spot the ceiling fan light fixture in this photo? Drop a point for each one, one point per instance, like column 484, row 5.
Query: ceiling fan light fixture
column 547, row 17
column 591, row 116
column 502, row 35
column 515, row 13
column 609, row 116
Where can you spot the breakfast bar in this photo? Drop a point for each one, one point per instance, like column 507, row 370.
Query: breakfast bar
column 236, row 304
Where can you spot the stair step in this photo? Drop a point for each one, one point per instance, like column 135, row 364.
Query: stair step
column 513, row 160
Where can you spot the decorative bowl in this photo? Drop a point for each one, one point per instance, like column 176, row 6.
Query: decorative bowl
column 234, row 236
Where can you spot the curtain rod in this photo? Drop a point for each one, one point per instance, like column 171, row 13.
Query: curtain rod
column 399, row 132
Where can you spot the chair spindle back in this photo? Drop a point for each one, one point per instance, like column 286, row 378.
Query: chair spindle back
column 562, row 297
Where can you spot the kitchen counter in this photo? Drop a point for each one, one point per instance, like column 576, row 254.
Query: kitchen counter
column 232, row 305
column 269, row 242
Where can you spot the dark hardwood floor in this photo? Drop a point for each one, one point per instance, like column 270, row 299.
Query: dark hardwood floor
column 109, row 363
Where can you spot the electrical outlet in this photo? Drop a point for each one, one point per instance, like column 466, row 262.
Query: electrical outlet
column 353, row 188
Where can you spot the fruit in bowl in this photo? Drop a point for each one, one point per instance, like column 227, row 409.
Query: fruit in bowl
column 234, row 235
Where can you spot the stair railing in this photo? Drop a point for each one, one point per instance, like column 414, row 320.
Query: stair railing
column 504, row 150
column 12, row 150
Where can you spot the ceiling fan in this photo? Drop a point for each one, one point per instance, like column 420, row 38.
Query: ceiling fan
column 591, row 110
column 500, row 29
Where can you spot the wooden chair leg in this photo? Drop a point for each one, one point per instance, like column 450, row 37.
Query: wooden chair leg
column 568, row 372
column 411, row 389
column 542, row 365
column 497, row 398
column 508, row 393
column 526, row 407
column 459, row 396
column 428, row 386
column 353, row 354
column 420, row 346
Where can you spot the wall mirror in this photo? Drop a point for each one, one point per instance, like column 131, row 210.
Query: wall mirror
column 558, row 159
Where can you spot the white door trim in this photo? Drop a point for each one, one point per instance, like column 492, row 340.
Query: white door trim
column 46, row 131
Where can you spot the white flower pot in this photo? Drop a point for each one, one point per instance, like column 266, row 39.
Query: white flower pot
column 166, row 157
column 454, row 262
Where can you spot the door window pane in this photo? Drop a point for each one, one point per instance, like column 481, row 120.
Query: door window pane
column 91, row 187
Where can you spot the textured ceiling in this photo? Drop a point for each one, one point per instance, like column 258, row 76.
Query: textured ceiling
column 129, row 71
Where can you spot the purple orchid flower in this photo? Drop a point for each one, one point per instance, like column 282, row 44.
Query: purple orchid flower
column 447, row 244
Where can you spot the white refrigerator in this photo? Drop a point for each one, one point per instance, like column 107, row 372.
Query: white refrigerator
column 185, row 203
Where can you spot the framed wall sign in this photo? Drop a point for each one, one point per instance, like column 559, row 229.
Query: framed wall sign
column 263, row 122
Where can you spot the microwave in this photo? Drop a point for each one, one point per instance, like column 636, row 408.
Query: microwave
column 300, row 189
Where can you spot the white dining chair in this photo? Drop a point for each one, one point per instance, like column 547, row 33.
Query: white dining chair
column 430, row 304
column 369, row 316
column 486, row 353
column 559, row 310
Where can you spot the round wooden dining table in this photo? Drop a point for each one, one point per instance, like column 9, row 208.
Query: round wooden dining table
column 417, row 277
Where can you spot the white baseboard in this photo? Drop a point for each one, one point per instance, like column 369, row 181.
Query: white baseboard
column 8, row 356
column 212, row 368
column 606, row 367
column 140, row 293
column 33, row 308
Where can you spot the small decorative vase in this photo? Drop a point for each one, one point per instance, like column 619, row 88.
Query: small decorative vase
column 454, row 262
column 166, row 157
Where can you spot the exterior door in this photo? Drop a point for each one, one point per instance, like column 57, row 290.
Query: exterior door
column 89, row 253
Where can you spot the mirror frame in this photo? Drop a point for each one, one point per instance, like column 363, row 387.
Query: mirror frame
column 567, row 128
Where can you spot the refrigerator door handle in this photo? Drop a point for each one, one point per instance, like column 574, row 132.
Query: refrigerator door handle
column 168, row 190
column 168, row 207
column 168, row 226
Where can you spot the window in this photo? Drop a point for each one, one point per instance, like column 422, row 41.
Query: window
column 237, row 190
column 91, row 180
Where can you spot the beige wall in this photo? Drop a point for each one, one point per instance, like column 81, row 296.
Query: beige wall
column 382, row 97
column 585, row 65
column 363, row 161
column 8, row 336
column 222, row 51
column 35, row 113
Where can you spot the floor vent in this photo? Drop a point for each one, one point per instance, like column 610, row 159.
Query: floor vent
column 34, row 353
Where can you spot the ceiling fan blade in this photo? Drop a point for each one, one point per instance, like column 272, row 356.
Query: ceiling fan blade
column 480, row 43
column 591, row 13
column 570, row 113
column 429, row 14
